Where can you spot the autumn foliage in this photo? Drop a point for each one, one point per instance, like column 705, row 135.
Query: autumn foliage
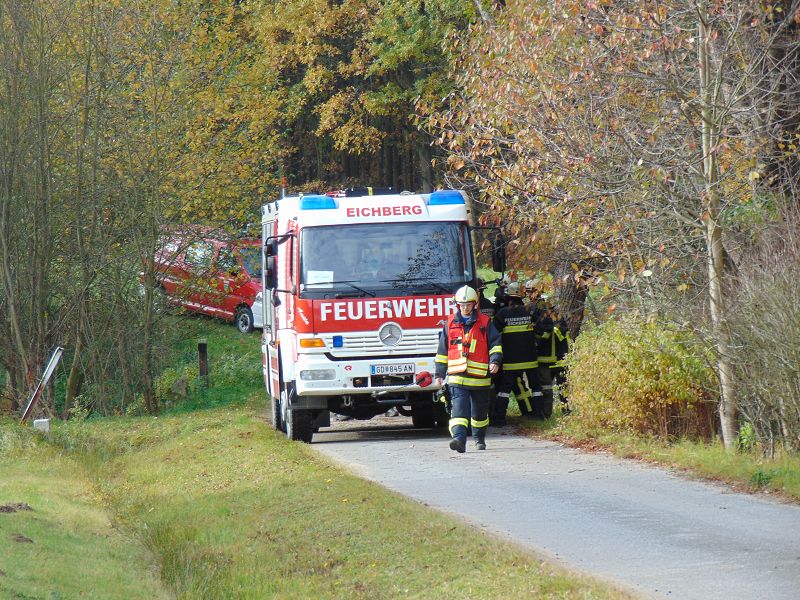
column 640, row 377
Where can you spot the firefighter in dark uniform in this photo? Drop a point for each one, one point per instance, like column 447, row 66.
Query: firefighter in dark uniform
column 517, row 327
column 563, row 343
column 500, row 294
column 469, row 354
column 485, row 305
column 488, row 308
column 542, row 313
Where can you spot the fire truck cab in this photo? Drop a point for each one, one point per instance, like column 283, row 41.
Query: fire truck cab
column 355, row 292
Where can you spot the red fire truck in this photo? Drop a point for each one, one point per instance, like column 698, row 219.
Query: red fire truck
column 355, row 292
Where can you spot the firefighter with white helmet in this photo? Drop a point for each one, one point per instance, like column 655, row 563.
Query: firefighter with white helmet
column 520, row 351
column 469, row 353
column 532, row 293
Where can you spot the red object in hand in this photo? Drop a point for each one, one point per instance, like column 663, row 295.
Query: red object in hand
column 423, row 379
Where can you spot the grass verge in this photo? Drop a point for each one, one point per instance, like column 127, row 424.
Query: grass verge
column 234, row 510
column 747, row 471
column 56, row 538
column 207, row 501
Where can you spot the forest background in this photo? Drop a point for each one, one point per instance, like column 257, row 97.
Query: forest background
column 641, row 158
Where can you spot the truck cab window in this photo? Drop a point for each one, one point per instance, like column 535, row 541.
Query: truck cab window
column 384, row 258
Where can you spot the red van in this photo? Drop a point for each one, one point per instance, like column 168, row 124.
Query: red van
column 211, row 275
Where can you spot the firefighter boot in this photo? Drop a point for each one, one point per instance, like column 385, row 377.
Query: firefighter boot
column 480, row 440
column 459, row 445
column 498, row 414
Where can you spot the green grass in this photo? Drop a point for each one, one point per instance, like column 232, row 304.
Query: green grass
column 745, row 470
column 235, row 510
column 76, row 550
column 234, row 366
column 206, row 500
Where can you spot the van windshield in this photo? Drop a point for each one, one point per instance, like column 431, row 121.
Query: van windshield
column 384, row 259
column 251, row 257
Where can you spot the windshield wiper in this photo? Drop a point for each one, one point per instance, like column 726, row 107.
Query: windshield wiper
column 349, row 283
column 429, row 280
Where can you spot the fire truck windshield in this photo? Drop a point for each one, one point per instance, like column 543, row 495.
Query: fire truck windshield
column 384, row 259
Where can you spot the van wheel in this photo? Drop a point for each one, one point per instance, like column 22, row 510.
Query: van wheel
column 244, row 319
column 298, row 424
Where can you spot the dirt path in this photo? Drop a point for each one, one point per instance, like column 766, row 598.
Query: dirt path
column 642, row 527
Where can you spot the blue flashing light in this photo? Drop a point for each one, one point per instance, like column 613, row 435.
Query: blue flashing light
column 445, row 197
column 317, row 202
column 338, row 341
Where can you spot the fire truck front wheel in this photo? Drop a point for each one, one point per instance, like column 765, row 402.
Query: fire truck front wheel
column 297, row 423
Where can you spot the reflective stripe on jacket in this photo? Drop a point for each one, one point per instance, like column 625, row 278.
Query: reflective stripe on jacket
column 465, row 350
column 563, row 343
column 517, row 326
column 468, row 351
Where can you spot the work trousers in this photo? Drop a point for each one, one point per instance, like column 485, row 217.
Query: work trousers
column 543, row 406
column 559, row 375
column 469, row 408
column 524, row 384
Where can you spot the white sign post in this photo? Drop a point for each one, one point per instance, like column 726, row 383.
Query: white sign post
column 48, row 374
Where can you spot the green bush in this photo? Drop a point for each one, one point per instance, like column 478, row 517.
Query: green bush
column 176, row 383
column 646, row 378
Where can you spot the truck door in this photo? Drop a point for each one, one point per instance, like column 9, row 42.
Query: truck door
column 269, row 339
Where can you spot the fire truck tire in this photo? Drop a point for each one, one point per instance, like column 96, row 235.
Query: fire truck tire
column 277, row 422
column 298, row 424
column 244, row 319
column 423, row 416
column 441, row 416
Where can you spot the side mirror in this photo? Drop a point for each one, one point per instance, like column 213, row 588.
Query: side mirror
column 270, row 272
column 271, row 247
column 498, row 254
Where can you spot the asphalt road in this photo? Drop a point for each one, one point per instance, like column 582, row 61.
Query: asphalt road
column 646, row 529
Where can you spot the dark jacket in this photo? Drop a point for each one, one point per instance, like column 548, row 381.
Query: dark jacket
column 517, row 327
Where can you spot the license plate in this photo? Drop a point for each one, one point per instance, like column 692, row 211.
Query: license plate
column 401, row 369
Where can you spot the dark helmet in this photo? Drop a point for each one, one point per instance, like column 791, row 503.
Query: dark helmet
column 480, row 284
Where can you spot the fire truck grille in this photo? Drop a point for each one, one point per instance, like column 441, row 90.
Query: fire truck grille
column 355, row 344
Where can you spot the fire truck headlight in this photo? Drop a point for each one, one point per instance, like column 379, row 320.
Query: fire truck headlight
column 318, row 375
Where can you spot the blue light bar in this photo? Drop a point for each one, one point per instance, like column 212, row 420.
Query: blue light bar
column 338, row 341
column 317, row 202
column 445, row 197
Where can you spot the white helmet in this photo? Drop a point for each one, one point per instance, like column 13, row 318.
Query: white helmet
column 513, row 290
column 466, row 294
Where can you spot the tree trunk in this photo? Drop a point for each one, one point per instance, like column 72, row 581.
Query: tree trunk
column 75, row 378
column 710, row 91
column 425, row 170
column 570, row 297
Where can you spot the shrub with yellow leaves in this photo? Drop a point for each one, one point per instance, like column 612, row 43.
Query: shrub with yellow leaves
column 648, row 378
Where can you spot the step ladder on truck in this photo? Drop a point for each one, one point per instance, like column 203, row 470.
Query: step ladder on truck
column 356, row 289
